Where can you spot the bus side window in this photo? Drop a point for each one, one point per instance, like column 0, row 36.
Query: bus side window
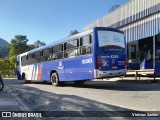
column 65, row 49
column 17, row 64
column 45, row 55
column 30, row 59
column 71, row 48
column 23, row 60
column 86, row 45
column 37, row 57
column 57, row 52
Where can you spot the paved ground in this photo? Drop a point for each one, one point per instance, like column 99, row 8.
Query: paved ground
column 92, row 96
column 7, row 102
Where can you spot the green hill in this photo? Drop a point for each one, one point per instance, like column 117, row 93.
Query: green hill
column 4, row 50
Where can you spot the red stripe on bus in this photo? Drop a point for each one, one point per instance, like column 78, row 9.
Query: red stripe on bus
column 40, row 72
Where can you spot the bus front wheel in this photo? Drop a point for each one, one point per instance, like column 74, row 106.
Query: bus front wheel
column 23, row 76
column 55, row 79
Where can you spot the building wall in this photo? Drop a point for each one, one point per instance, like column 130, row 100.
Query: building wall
column 137, row 18
column 142, row 28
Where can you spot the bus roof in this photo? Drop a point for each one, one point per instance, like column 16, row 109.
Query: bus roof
column 58, row 42
column 67, row 38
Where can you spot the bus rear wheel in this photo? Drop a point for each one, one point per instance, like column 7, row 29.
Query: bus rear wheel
column 55, row 79
column 23, row 76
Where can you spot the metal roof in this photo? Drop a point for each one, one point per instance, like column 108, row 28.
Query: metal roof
column 137, row 18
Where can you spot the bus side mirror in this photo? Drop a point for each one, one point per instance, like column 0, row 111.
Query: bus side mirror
column 16, row 64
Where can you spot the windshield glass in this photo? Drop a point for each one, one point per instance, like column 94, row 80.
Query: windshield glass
column 110, row 40
column 17, row 62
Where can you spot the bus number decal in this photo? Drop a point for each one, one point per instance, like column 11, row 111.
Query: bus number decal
column 87, row 61
column 114, row 56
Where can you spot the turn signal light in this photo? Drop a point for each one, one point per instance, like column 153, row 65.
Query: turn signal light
column 99, row 63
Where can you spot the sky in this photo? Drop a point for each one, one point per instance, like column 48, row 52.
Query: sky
column 49, row 20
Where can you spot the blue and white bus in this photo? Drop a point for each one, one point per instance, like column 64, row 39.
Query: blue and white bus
column 96, row 53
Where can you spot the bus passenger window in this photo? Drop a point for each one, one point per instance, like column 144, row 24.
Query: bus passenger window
column 57, row 52
column 37, row 57
column 54, row 57
column 86, row 45
column 23, row 60
column 46, row 54
column 30, row 59
column 72, row 48
column 60, row 55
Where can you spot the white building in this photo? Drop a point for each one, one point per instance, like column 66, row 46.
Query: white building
column 139, row 19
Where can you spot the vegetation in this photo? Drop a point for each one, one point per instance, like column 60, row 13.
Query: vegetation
column 114, row 7
column 17, row 46
column 6, row 68
column 4, row 50
column 10, row 76
column 73, row 32
column 38, row 43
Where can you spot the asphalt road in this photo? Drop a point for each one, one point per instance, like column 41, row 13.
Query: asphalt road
column 92, row 96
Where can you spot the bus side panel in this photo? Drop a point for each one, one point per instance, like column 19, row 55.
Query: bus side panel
column 57, row 66
column 42, row 71
column 18, row 68
column 31, row 72
column 19, row 77
column 79, row 68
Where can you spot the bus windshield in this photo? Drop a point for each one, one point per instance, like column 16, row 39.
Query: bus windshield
column 111, row 41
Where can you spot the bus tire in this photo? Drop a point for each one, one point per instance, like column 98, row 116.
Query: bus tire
column 1, row 84
column 55, row 79
column 23, row 76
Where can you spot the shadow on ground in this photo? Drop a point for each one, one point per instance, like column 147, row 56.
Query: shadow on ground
column 72, row 105
column 39, row 100
column 124, row 85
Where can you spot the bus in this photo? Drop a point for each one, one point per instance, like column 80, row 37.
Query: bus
column 93, row 54
column 148, row 59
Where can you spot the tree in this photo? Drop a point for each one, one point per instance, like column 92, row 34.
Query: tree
column 114, row 7
column 5, row 66
column 73, row 32
column 17, row 46
column 38, row 43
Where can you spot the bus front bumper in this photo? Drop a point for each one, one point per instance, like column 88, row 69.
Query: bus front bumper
column 108, row 74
